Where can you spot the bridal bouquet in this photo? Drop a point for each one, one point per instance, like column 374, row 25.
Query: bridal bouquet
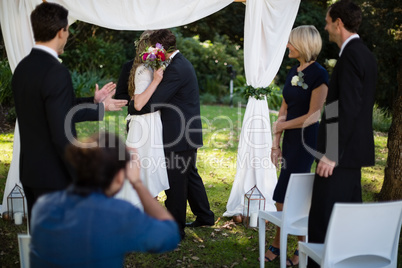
column 154, row 57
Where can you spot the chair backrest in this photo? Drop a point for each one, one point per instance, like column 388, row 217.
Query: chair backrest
column 298, row 197
column 369, row 230
column 23, row 243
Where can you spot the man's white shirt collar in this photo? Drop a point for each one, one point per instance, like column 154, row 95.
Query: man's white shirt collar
column 174, row 54
column 353, row 36
column 48, row 50
column 171, row 57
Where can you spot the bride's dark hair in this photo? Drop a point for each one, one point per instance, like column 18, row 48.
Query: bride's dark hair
column 96, row 161
column 140, row 45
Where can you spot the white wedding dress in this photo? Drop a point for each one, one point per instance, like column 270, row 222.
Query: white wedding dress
column 145, row 134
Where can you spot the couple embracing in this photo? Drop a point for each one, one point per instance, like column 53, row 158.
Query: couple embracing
column 165, row 124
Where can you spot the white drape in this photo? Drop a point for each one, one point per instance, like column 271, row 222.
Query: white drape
column 113, row 14
column 18, row 40
column 267, row 27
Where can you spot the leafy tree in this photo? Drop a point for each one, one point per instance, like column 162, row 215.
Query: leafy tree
column 6, row 94
column 210, row 60
column 392, row 185
column 81, row 31
column 381, row 30
column 228, row 21
column 3, row 53
column 95, row 54
column 94, row 49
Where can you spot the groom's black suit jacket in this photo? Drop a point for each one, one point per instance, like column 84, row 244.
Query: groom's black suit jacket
column 352, row 84
column 44, row 94
column 177, row 98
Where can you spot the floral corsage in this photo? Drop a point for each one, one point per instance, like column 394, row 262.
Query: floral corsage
column 155, row 57
column 298, row 80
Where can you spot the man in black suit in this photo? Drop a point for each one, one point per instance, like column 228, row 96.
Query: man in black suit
column 44, row 96
column 345, row 136
column 177, row 98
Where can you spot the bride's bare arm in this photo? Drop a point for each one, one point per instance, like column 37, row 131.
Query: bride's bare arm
column 141, row 99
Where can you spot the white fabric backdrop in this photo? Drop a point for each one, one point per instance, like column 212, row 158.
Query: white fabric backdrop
column 267, row 27
column 266, row 31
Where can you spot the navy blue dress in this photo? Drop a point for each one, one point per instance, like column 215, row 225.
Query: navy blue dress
column 296, row 159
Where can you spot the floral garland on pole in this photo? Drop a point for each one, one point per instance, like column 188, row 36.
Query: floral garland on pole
column 257, row 93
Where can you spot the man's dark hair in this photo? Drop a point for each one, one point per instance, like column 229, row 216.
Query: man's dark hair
column 96, row 165
column 47, row 19
column 348, row 12
column 166, row 38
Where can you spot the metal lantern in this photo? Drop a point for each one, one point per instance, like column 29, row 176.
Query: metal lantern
column 254, row 201
column 16, row 202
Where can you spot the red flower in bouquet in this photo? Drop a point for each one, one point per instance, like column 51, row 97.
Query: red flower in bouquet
column 161, row 56
column 154, row 57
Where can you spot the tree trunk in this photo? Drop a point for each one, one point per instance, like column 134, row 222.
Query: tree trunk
column 392, row 186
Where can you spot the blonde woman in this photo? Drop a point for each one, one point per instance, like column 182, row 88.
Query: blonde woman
column 145, row 131
column 304, row 94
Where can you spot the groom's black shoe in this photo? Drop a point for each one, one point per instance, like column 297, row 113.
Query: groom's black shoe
column 195, row 224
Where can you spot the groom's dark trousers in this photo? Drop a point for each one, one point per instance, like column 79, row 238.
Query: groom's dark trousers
column 186, row 185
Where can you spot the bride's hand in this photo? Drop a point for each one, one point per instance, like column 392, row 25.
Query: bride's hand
column 158, row 75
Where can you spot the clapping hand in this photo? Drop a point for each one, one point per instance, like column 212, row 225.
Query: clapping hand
column 105, row 95
column 107, row 90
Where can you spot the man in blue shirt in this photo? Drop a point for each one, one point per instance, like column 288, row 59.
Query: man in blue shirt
column 84, row 226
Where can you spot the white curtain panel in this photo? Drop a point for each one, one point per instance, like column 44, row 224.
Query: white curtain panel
column 18, row 40
column 266, row 31
column 254, row 166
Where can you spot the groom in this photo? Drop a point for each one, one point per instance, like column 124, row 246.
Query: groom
column 177, row 98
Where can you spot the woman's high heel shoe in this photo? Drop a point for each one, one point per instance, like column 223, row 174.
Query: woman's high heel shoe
column 275, row 251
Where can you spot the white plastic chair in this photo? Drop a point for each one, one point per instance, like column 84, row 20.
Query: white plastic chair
column 294, row 217
column 358, row 235
column 23, row 244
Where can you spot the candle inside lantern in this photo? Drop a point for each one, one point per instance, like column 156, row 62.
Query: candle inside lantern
column 6, row 216
column 253, row 219
column 18, row 218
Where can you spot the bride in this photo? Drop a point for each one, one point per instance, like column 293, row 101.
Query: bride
column 145, row 131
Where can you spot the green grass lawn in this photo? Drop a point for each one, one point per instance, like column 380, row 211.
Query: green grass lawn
column 223, row 245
